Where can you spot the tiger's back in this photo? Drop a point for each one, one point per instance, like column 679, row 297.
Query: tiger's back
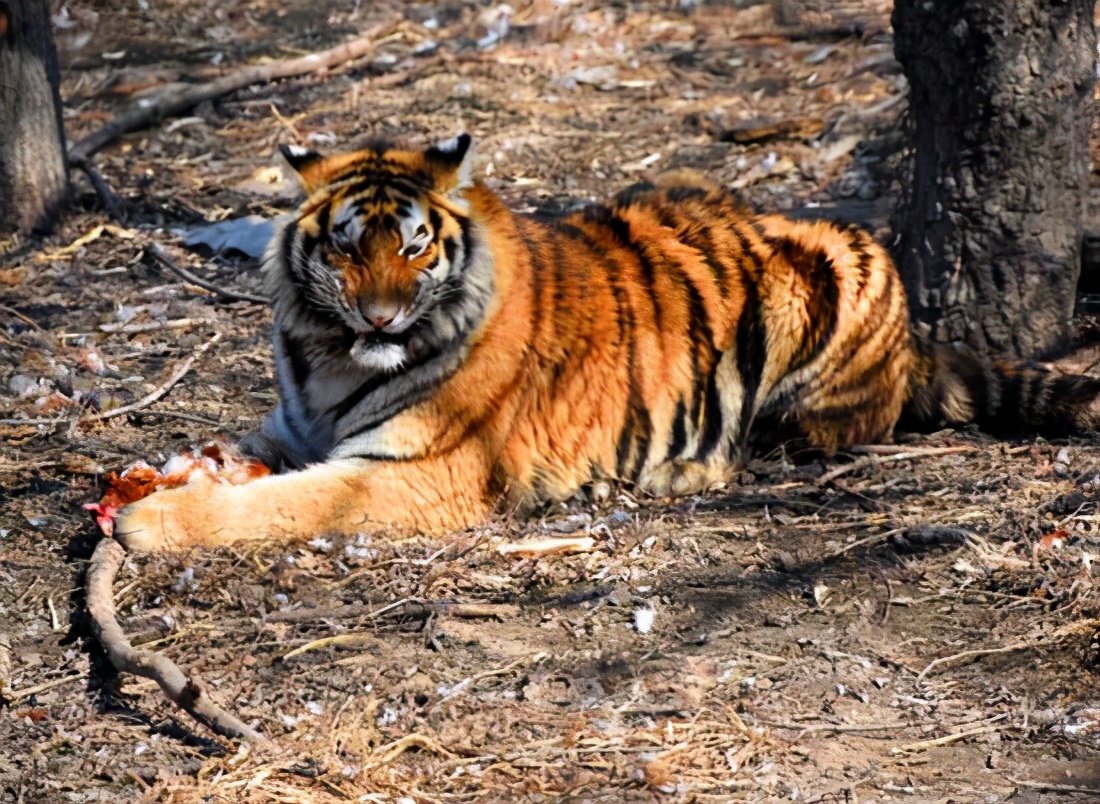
column 436, row 351
column 671, row 319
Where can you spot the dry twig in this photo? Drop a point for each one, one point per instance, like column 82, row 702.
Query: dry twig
column 970, row 654
column 230, row 295
column 1046, row 787
column 5, row 667
column 463, row 685
column 149, row 111
column 27, row 692
column 413, row 610
column 149, row 399
column 110, row 201
column 875, row 459
column 535, row 548
column 185, row 692
column 152, row 326
column 924, row 745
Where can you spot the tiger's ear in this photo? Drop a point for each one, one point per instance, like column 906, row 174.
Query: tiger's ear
column 303, row 166
column 451, row 163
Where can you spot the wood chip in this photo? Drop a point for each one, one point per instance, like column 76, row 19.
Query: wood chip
column 536, row 548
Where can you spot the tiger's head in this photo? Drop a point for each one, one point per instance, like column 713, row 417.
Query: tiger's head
column 383, row 248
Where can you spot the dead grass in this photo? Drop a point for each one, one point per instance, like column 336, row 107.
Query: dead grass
column 918, row 628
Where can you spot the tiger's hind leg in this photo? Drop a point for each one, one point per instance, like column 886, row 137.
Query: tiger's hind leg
column 679, row 478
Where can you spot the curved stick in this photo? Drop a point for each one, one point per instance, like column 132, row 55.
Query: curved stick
column 148, row 111
column 185, row 692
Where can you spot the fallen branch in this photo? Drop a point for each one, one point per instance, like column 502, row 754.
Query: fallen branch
column 5, row 667
column 392, row 751
column 229, row 295
column 536, row 548
column 26, row 692
column 831, row 728
column 145, row 401
column 149, row 111
column 924, row 745
column 1047, row 787
column 463, row 685
column 1071, row 629
column 185, row 692
column 152, row 326
column 414, row 610
column 971, row 654
column 111, row 202
column 874, row 460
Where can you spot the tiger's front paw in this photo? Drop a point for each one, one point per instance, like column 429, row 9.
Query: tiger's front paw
column 172, row 519
column 680, row 478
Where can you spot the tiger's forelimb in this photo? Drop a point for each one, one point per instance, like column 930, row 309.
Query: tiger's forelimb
column 346, row 496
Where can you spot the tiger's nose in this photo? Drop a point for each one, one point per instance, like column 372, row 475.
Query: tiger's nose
column 379, row 315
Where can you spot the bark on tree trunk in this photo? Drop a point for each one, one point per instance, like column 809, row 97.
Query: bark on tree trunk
column 989, row 228
column 33, row 169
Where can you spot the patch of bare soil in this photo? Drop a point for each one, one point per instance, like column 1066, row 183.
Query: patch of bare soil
column 918, row 628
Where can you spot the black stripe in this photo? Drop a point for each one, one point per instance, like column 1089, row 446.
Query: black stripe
column 642, row 430
column 293, row 348
column 690, row 233
column 436, row 220
column 626, row 438
column 710, row 254
column 712, row 412
column 857, row 244
column 748, row 251
column 324, row 214
column 420, row 381
column 538, row 267
column 286, row 248
column 637, row 426
column 450, row 248
column 819, row 274
column 368, row 178
column 620, row 230
column 751, row 352
column 467, row 240
column 635, row 193
column 686, row 193
column 887, row 352
column 679, row 430
column 345, row 405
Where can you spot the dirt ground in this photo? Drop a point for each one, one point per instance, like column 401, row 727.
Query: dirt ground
column 912, row 629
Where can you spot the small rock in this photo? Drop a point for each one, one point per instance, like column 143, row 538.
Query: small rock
column 643, row 620
column 21, row 385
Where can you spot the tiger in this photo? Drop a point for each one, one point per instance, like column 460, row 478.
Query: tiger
column 437, row 353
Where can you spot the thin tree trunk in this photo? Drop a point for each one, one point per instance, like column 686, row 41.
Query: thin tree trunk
column 34, row 176
column 989, row 228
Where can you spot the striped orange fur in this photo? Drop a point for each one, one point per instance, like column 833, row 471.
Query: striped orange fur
column 436, row 351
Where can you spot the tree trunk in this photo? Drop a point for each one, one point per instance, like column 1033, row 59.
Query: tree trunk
column 989, row 227
column 33, row 170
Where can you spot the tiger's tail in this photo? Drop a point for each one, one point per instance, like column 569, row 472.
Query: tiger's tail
column 953, row 385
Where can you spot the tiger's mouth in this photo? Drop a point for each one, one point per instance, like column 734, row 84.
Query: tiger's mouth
column 380, row 337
